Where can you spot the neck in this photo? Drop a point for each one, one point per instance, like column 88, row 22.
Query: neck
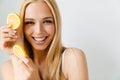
column 40, row 61
column 40, row 56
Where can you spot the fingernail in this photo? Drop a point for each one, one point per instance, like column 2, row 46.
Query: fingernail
column 14, row 31
column 9, row 25
column 16, row 36
column 25, row 60
column 13, row 34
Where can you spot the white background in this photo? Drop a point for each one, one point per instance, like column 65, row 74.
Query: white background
column 91, row 25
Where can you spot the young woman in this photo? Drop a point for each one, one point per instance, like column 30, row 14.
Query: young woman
column 47, row 58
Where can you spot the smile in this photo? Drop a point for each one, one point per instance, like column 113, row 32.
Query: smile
column 38, row 39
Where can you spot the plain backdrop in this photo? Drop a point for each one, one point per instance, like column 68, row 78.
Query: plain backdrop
column 91, row 25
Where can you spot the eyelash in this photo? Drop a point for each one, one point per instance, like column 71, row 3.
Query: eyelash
column 48, row 21
column 45, row 22
column 29, row 22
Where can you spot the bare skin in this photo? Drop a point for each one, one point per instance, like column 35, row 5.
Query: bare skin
column 75, row 66
column 76, row 71
column 39, row 31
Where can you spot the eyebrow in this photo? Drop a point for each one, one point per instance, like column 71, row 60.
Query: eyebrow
column 48, row 18
column 29, row 19
column 43, row 18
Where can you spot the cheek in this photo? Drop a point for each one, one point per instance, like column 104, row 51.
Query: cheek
column 51, row 30
column 27, row 31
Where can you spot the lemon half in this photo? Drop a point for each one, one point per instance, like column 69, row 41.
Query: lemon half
column 19, row 51
column 14, row 20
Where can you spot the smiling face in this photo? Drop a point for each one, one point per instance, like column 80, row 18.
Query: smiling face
column 39, row 26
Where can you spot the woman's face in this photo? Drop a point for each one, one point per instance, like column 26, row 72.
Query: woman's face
column 39, row 26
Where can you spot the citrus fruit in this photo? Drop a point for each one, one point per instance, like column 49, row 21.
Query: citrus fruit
column 19, row 51
column 14, row 20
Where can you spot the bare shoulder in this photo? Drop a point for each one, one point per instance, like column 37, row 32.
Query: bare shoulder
column 7, row 70
column 74, row 53
column 75, row 64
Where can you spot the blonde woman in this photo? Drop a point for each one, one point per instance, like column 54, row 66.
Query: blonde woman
column 47, row 58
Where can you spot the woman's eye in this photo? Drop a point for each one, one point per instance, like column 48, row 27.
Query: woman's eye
column 29, row 23
column 48, row 21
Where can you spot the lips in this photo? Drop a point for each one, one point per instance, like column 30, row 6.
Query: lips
column 39, row 39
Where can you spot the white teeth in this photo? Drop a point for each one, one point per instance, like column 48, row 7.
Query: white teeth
column 39, row 39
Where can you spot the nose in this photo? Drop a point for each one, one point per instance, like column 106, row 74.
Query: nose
column 38, row 28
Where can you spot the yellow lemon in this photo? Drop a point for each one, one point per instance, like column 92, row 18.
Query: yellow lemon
column 19, row 51
column 14, row 20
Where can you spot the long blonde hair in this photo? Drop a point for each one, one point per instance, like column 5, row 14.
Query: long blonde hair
column 54, row 56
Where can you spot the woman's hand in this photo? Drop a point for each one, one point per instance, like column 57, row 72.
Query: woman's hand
column 24, row 69
column 7, row 38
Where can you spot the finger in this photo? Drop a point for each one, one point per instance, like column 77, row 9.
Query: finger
column 19, row 66
column 28, row 62
column 7, row 43
column 8, row 39
column 6, row 30
column 5, row 27
column 22, row 65
column 9, row 31
column 18, row 63
column 11, row 35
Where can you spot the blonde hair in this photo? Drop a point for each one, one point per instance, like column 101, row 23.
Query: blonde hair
column 54, row 56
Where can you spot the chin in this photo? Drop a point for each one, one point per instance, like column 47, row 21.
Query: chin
column 40, row 48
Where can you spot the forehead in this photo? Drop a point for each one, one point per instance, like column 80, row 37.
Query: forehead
column 39, row 8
